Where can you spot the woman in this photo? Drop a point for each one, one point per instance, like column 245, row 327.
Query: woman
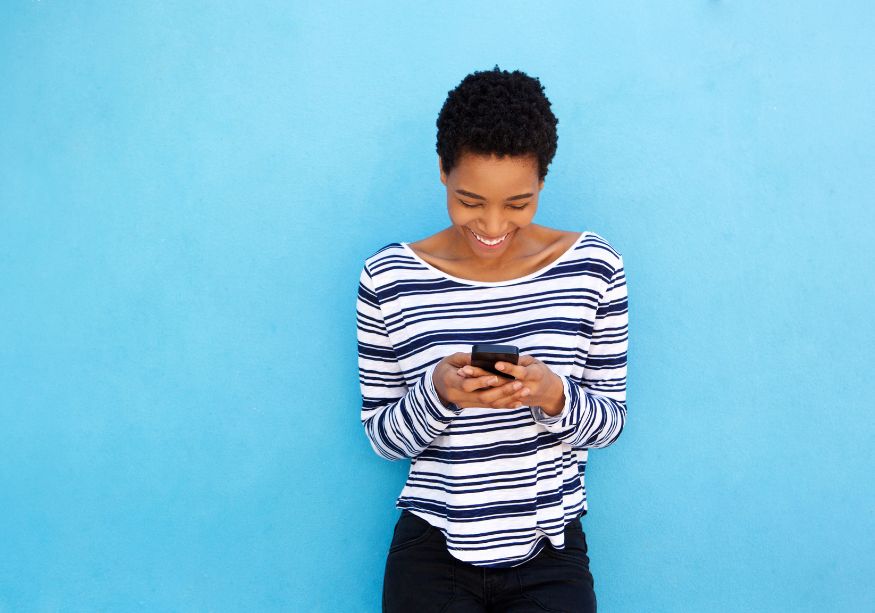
column 492, row 505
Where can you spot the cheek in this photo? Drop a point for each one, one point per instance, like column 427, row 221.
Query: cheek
column 460, row 216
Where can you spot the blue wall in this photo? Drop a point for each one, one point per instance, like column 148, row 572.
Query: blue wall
column 187, row 193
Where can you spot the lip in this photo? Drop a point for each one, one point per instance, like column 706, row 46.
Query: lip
column 489, row 247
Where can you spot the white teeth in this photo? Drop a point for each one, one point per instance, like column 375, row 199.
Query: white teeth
column 488, row 242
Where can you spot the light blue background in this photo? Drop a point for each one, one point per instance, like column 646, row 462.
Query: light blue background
column 188, row 191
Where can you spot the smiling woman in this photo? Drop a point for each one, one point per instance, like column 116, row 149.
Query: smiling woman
column 492, row 504
column 492, row 237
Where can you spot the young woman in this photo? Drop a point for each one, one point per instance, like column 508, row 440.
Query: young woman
column 491, row 508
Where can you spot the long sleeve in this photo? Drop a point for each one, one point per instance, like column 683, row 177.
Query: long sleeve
column 594, row 412
column 399, row 421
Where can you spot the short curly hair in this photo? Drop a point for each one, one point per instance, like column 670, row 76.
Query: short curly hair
column 497, row 112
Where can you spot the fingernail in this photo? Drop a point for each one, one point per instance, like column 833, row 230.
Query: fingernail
column 525, row 392
column 517, row 385
column 493, row 381
column 500, row 366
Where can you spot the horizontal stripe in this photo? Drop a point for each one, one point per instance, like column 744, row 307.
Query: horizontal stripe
column 499, row 483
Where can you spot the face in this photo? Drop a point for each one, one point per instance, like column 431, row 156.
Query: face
column 491, row 200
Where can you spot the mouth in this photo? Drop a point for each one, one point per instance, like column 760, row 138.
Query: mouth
column 489, row 242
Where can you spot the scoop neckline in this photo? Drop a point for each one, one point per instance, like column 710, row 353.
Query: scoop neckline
column 531, row 275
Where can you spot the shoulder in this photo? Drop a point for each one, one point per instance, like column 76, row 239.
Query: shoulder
column 596, row 246
column 386, row 257
column 391, row 264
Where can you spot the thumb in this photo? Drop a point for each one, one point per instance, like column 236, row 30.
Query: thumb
column 526, row 360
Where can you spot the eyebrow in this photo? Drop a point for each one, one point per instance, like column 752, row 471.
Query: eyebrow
column 477, row 197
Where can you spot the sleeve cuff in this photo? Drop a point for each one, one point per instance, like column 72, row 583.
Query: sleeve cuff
column 541, row 417
column 433, row 402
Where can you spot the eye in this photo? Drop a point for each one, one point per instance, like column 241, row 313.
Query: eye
column 474, row 206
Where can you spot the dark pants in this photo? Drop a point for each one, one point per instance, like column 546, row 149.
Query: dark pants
column 421, row 576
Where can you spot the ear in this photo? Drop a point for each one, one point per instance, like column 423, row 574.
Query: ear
column 541, row 185
column 441, row 168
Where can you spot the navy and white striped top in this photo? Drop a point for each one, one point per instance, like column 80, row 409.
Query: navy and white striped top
column 496, row 482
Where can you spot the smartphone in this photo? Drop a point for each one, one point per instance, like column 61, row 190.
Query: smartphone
column 485, row 357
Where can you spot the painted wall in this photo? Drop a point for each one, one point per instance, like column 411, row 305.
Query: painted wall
column 187, row 193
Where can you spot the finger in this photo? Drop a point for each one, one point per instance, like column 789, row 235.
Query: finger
column 504, row 392
column 512, row 401
column 526, row 360
column 515, row 370
column 475, row 383
column 474, row 371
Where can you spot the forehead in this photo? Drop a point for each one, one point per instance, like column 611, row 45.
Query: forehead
column 495, row 174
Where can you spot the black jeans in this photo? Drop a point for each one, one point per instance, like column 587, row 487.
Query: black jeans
column 421, row 576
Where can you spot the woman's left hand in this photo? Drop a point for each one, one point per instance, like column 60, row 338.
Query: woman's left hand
column 544, row 386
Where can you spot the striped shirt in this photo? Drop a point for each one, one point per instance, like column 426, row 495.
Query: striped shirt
column 499, row 483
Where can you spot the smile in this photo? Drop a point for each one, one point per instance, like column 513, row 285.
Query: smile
column 487, row 241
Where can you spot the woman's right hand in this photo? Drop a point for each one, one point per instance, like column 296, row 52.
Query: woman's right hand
column 487, row 391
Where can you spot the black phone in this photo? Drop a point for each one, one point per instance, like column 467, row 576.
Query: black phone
column 485, row 357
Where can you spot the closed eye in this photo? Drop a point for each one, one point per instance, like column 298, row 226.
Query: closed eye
column 474, row 206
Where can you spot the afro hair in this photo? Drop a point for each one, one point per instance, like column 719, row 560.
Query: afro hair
column 497, row 112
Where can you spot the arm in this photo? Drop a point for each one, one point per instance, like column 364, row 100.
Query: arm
column 400, row 422
column 594, row 411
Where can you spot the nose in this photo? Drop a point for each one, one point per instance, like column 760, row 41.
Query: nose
column 493, row 223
